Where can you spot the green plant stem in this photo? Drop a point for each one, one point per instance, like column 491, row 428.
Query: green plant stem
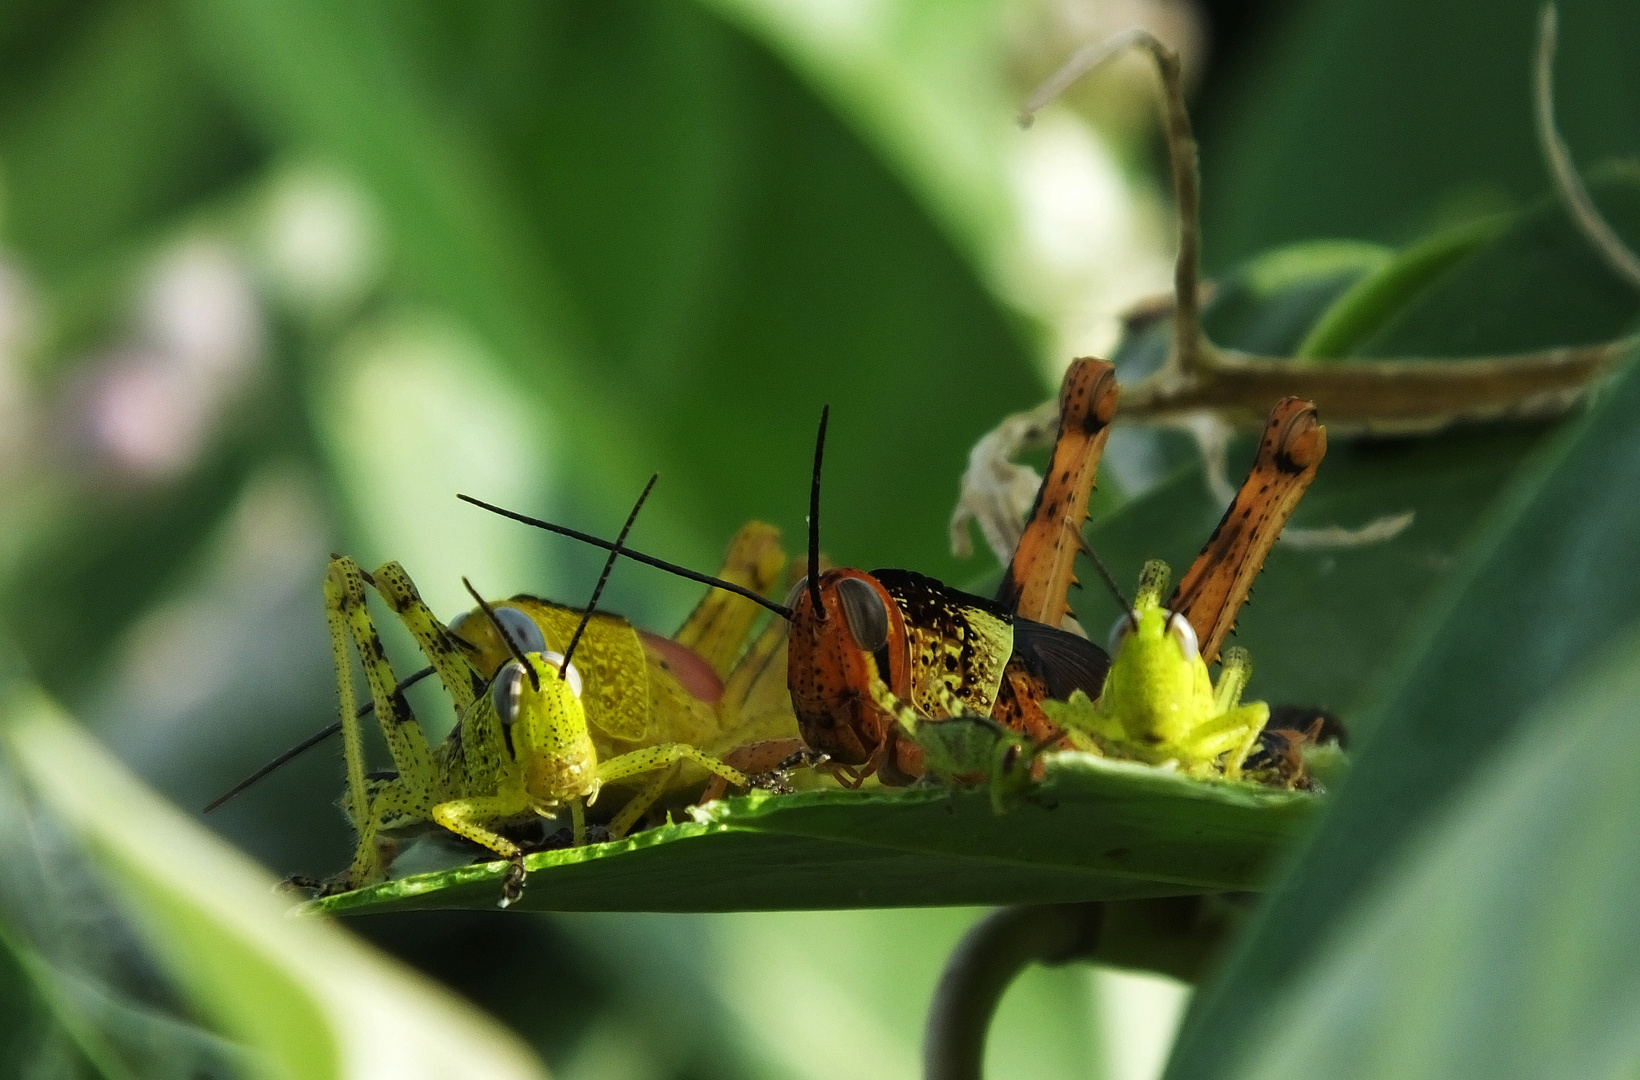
column 1177, row 936
column 985, row 961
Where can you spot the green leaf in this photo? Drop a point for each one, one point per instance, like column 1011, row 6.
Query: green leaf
column 1094, row 829
column 1502, row 940
column 1384, row 292
column 1538, row 284
column 1270, row 303
column 303, row 993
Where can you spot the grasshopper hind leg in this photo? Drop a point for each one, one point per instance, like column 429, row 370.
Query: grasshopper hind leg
column 349, row 619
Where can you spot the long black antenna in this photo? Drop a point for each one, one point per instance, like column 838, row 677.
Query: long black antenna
column 609, row 564
column 636, row 556
column 814, row 515
column 1110, row 583
column 307, row 744
column 512, row 646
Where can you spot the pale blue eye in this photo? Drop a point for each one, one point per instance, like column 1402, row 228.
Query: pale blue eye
column 1184, row 634
column 521, row 629
column 571, row 676
column 504, row 691
column 796, row 591
column 865, row 613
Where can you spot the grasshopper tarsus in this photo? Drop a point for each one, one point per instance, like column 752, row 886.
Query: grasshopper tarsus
column 512, row 882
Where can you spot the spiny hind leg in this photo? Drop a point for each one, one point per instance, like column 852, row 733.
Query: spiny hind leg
column 716, row 630
column 442, row 649
column 1040, row 574
column 349, row 618
column 1212, row 591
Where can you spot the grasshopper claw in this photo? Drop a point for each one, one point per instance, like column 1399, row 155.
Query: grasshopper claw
column 512, row 885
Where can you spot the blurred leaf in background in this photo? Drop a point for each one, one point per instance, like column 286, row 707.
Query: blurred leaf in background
column 273, row 996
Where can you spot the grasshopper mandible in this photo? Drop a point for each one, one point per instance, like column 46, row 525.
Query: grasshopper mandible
column 521, row 749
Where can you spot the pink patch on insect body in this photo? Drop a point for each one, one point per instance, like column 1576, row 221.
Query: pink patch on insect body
column 692, row 672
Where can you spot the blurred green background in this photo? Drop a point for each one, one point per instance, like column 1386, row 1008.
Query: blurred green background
column 278, row 280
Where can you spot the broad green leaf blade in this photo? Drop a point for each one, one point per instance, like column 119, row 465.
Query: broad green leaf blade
column 303, row 992
column 1503, row 941
column 1544, row 586
column 1092, row 830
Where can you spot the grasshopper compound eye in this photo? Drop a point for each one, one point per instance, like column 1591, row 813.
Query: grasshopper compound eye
column 571, row 676
column 505, row 690
column 865, row 613
column 1184, row 634
column 797, row 590
column 522, row 629
column 1118, row 633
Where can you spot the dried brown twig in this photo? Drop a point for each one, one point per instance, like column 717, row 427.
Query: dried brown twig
column 1209, row 391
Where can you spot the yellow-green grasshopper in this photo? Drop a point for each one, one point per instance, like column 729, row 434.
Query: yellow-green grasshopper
column 521, row 749
column 1159, row 703
column 712, row 684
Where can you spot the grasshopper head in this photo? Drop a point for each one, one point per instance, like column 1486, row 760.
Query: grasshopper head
column 1156, row 668
column 844, row 629
column 545, row 726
